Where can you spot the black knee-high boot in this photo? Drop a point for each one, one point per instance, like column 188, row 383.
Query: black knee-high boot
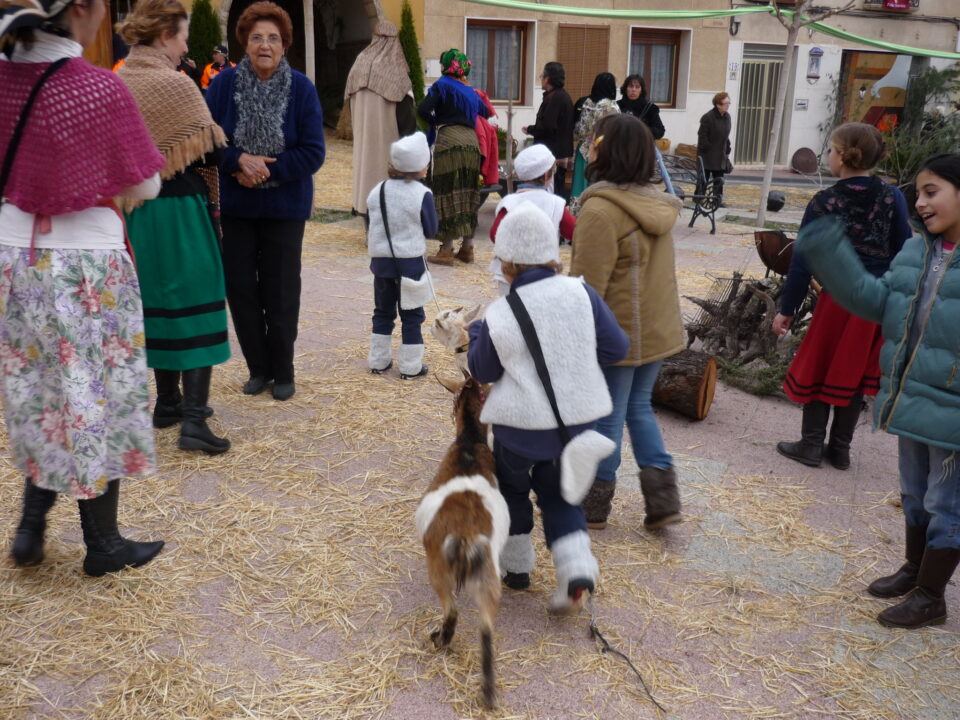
column 168, row 410
column 837, row 451
column 813, row 429
column 194, row 433
column 107, row 551
column 28, row 541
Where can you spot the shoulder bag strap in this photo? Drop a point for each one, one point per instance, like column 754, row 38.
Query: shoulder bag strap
column 386, row 225
column 22, row 123
column 533, row 345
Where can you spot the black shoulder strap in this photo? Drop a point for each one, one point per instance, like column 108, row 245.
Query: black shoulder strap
column 533, row 345
column 22, row 123
column 386, row 225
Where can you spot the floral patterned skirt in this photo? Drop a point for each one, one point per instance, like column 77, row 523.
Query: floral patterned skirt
column 73, row 368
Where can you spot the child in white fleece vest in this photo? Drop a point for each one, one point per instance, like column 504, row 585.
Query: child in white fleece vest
column 411, row 217
column 577, row 333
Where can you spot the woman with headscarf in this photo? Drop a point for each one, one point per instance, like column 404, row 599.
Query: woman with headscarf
column 74, row 373
column 183, row 302
column 273, row 121
column 381, row 109
column 451, row 108
column 588, row 110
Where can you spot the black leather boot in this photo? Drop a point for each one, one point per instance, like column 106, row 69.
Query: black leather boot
column 905, row 579
column 596, row 505
column 813, row 429
column 837, row 451
column 925, row 605
column 107, row 551
column 168, row 409
column 28, row 540
column 194, row 433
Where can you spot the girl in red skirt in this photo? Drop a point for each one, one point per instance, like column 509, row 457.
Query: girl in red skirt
column 837, row 362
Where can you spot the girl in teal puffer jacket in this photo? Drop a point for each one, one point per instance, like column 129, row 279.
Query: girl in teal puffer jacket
column 917, row 303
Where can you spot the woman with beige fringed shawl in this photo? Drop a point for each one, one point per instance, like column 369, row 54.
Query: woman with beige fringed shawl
column 174, row 240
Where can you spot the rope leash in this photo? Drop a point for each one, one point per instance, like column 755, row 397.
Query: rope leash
column 605, row 648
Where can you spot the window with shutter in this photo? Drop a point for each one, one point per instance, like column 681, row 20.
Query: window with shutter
column 584, row 52
column 655, row 55
column 494, row 59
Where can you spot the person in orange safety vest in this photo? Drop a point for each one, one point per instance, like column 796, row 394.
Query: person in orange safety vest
column 213, row 69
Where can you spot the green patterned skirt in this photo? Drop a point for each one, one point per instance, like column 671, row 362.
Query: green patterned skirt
column 455, row 181
column 181, row 282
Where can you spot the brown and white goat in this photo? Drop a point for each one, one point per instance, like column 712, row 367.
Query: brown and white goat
column 450, row 329
column 464, row 522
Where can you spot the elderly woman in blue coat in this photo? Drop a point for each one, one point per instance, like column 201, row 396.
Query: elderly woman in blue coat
column 917, row 303
column 271, row 115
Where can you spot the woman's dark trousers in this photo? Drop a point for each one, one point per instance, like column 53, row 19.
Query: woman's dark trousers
column 261, row 264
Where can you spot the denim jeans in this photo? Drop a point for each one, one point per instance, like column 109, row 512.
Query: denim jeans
column 631, row 388
column 517, row 475
column 930, row 491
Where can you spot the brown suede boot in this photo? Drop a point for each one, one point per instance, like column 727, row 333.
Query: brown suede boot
column 444, row 255
column 905, row 579
column 661, row 495
column 925, row 604
column 465, row 255
column 596, row 505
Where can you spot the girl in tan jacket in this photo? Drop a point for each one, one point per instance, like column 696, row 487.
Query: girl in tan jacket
column 623, row 248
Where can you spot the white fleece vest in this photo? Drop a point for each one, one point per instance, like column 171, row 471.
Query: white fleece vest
column 404, row 200
column 563, row 317
column 552, row 205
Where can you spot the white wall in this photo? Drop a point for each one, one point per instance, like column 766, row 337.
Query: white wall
column 802, row 128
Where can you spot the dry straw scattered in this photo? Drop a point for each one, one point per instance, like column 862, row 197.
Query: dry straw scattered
column 292, row 585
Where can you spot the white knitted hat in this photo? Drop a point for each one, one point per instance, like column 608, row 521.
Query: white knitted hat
column 410, row 153
column 526, row 236
column 533, row 162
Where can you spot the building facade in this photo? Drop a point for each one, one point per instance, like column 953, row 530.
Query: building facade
column 686, row 62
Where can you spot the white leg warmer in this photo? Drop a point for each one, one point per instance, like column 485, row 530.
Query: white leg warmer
column 572, row 560
column 379, row 356
column 411, row 359
column 517, row 555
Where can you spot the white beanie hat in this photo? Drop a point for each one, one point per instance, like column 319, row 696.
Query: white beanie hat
column 533, row 162
column 410, row 153
column 526, row 236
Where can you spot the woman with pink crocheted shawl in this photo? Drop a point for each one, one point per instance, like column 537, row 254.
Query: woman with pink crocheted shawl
column 72, row 360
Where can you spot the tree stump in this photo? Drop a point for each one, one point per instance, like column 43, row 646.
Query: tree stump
column 686, row 383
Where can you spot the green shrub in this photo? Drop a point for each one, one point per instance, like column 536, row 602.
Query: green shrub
column 411, row 51
column 204, row 32
column 926, row 130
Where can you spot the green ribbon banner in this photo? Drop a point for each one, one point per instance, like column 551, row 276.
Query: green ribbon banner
column 703, row 14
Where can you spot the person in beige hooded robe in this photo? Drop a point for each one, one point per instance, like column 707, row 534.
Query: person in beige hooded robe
column 381, row 107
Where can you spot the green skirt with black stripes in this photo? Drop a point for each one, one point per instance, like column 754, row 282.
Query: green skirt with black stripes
column 177, row 255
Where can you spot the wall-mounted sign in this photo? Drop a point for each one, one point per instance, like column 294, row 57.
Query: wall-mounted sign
column 801, row 104
column 892, row 5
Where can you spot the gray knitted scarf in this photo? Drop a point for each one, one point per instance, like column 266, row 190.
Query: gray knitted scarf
column 261, row 106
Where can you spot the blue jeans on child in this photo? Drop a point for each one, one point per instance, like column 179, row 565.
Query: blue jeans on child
column 930, row 491
column 516, row 476
column 386, row 300
column 631, row 389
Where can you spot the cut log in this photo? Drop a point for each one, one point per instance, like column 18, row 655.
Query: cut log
column 686, row 383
